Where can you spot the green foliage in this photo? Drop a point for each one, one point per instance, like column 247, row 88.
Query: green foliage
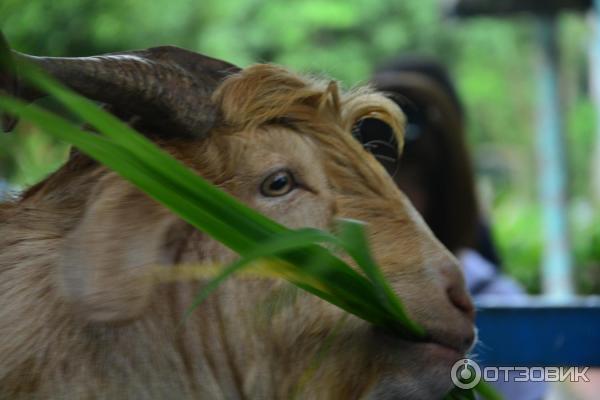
column 522, row 247
column 520, row 242
column 586, row 248
column 27, row 155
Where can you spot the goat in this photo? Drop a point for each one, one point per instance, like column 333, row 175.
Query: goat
column 81, row 320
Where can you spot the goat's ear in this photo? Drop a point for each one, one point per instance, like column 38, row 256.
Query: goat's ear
column 108, row 259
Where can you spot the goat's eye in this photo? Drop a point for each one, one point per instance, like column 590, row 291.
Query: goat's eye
column 277, row 184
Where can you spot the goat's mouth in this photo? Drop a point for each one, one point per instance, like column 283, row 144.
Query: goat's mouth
column 438, row 352
column 434, row 347
column 414, row 369
column 459, row 345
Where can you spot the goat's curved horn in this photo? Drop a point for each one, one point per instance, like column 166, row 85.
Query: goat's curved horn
column 168, row 87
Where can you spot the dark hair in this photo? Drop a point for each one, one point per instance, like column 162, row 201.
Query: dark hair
column 428, row 67
column 435, row 144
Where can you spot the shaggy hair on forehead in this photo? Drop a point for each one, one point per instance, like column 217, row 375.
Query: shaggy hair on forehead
column 264, row 94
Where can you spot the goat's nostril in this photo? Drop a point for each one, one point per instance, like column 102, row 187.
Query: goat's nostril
column 455, row 289
column 461, row 300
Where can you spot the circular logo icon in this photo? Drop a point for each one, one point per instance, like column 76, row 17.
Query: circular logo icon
column 465, row 373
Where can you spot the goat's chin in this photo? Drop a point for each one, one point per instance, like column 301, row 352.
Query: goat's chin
column 416, row 371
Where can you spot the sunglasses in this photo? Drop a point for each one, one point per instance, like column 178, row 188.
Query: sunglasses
column 379, row 139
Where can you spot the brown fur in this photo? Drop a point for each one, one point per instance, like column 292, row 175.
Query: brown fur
column 81, row 318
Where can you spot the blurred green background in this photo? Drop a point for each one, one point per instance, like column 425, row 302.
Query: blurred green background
column 492, row 60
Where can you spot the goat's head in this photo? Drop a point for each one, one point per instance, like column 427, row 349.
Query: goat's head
column 282, row 144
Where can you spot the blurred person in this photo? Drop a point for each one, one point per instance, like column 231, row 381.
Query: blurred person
column 435, row 172
column 435, row 169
